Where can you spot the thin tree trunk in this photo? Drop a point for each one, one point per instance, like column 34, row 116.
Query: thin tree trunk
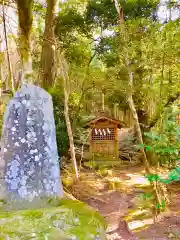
column 25, row 19
column 130, row 90
column 10, row 74
column 130, row 98
column 69, row 130
column 103, row 106
column 1, row 66
column 1, row 76
column 47, row 70
column 64, row 73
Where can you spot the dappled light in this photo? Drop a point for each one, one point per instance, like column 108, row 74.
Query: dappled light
column 136, row 225
column 137, row 179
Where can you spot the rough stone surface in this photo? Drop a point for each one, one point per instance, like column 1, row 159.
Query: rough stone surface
column 29, row 160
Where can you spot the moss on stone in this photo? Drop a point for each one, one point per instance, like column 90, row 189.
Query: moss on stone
column 64, row 219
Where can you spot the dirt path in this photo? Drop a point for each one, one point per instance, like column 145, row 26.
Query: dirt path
column 124, row 214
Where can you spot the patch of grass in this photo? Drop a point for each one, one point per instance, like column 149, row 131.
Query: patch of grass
column 82, row 188
column 88, row 184
column 145, row 188
column 115, row 183
column 105, row 172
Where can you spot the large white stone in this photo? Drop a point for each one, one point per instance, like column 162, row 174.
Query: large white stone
column 29, row 160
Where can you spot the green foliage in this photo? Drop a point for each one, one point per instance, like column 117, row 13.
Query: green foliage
column 165, row 142
column 92, row 165
column 161, row 206
column 174, row 175
column 61, row 130
column 147, row 196
column 153, row 177
column 91, row 27
column 104, row 172
column 103, row 12
column 72, row 31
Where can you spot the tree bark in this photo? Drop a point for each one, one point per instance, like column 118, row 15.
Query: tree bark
column 130, row 95
column 10, row 73
column 25, row 19
column 69, row 130
column 1, row 66
column 131, row 79
column 47, row 70
column 64, row 74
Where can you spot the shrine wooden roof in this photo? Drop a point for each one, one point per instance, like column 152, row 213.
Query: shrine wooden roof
column 95, row 120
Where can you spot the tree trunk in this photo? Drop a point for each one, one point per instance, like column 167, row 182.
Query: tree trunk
column 25, row 19
column 130, row 90
column 10, row 74
column 130, row 95
column 103, row 106
column 64, row 74
column 47, row 70
column 1, row 65
column 69, row 130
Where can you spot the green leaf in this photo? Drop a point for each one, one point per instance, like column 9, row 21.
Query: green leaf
column 153, row 177
column 148, row 148
column 161, row 206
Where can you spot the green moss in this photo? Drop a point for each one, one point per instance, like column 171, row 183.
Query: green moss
column 65, row 219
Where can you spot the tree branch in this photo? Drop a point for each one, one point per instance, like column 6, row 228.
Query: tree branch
column 169, row 102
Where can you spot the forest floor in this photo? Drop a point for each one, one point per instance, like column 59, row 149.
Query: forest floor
column 118, row 197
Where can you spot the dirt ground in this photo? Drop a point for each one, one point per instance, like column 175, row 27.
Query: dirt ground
column 126, row 216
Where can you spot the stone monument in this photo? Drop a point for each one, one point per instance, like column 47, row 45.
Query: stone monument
column 29, row 164
column 30, row 173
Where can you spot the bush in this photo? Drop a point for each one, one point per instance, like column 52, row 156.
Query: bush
column 165, row 142
column 61, row 130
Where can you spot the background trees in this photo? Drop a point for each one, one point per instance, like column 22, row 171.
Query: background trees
column 88, row 33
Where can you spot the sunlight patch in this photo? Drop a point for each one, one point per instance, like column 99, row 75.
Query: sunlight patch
column 137, row 179
column 139, row 224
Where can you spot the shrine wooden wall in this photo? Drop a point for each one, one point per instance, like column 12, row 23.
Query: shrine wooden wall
column 104, row 139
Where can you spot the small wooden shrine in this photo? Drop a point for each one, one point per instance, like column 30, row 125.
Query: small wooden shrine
column 104, row 143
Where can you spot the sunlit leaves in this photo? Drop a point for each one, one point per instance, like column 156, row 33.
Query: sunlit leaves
column 103, row 12
column 165, row 142
column 153, row 177
column 161, row 206
column 173, row 176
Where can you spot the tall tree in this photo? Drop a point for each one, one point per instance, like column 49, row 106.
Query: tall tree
column 125, row 54
column 1, row 63
column 47, row 64
column 131, row 79
column 63, row 73
column 10, row 74
column 25, row 19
